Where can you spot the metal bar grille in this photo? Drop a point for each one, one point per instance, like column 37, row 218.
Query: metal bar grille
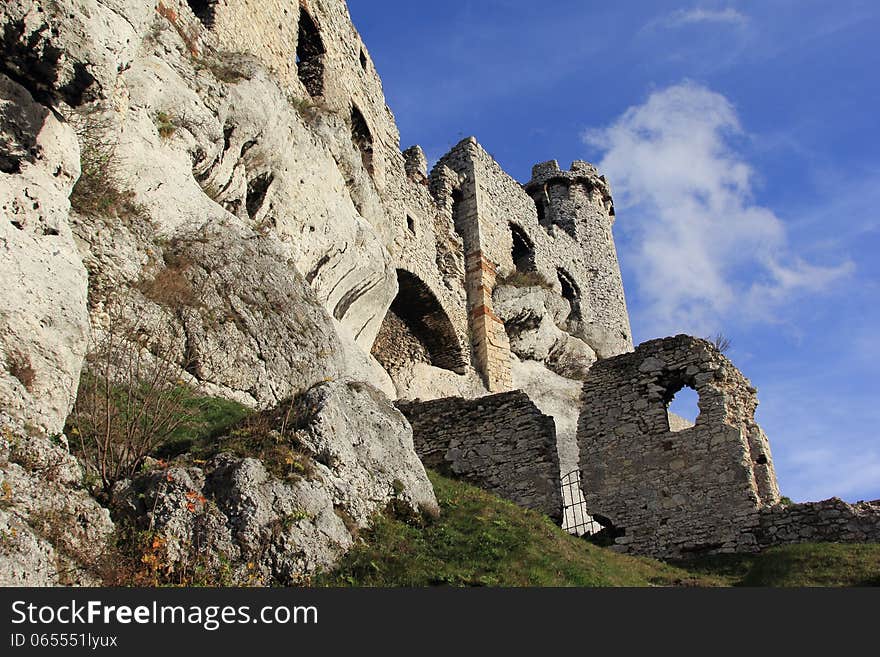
column 575, row 519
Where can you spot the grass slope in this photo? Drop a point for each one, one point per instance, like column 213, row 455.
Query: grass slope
column 482, row 540
column 807, row 564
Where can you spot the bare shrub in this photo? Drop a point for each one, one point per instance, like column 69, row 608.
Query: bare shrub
column 525, row 279
column 720, row 341
column 98, row 191
column 131, row 399
column 170, row 287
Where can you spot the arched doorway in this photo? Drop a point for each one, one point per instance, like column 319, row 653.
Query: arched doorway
column 417, row 329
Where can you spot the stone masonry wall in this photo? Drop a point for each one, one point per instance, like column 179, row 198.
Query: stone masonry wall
column 832, row 520
column 578, row 203
column 501, row 443
column 672, row 494
column 586, row 256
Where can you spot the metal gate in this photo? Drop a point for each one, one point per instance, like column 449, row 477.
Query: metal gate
column 575, row 519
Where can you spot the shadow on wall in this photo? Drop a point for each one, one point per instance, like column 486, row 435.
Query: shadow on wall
column 417, row 329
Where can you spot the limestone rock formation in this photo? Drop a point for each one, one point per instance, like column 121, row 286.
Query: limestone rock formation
column 52, row 532
column 43, row 305
column 532, row 317
column 280, row 526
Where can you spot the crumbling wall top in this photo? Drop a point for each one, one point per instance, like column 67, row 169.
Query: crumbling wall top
column 580, row 171
column 674, row 492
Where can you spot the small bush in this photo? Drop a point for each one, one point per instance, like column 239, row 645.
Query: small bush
column 721, row 342
column 19, row 366
column 98, row 191
column 131, row 399
column 228, row 67
column 188, row 34
column 165, row 125
column 170, row 286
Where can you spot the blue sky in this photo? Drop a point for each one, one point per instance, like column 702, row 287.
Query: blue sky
column 741, row 141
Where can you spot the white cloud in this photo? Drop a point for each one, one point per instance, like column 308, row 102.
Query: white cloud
column 699, row 15
column 699, row 247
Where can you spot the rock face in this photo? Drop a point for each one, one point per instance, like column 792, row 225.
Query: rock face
column 532, row 317
column 52, row 532
column 354, row 457
column 43, row 305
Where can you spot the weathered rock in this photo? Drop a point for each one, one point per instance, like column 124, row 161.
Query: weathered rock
column 532, row 318
column 52, row 531
column 283, row 529
column 256, row 325
column 43, row 318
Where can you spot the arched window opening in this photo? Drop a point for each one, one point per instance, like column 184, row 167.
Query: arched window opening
column 542, row 205
column 411, row 224
column 683, row 409
column 417, row 329
column 310, row 55
column 364, row 60
column 204, row 11
column 362, row 138
column 458, row 218
column 523, row 251
column 571, row 293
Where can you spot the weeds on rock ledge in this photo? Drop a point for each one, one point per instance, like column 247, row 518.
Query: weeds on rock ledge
column 19, row 366
column 99, row 192
column 165, row 125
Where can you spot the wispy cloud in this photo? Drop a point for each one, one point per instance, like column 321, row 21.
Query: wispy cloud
column 698, row 15
column 700, row 248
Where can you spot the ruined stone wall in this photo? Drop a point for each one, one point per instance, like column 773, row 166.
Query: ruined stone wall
column 586, row 256
column 831, row 520
column 674, row 493
column 397, row 344
column 501, row 443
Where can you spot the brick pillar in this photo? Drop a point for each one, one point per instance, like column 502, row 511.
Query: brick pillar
column 490, row 344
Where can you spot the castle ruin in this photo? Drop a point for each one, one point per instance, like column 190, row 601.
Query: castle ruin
column 486, row 276
column 492, row 312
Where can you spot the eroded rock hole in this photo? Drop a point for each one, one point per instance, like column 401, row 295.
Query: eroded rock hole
column 363, row 60
column 256, row 193
column 411, row 224
column 310, row 52
column 362, row 138
column 523, row 251
column 417, row 329
column 204, row 11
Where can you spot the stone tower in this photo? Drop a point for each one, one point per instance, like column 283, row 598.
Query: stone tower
column 578, row 202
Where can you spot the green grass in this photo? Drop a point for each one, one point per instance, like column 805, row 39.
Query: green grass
column 807, row 564
column 211, row 418
column 482, row 540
